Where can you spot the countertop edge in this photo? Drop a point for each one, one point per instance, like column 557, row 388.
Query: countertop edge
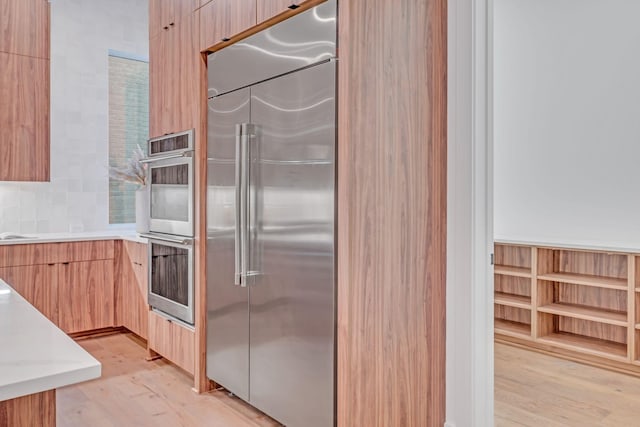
column 584, row 246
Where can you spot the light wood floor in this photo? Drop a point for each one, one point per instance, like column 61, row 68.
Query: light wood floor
column 134, row 392
column 536, row 390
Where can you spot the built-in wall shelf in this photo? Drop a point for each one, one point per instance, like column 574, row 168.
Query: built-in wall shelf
column 577, row 303
column 507, row 270
column 586, row 280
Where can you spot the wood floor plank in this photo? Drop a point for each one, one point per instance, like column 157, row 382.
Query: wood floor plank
column 133, row 391
column 533, row 389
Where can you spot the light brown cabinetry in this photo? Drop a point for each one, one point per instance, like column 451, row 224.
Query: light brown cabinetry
column 85, row 293
column 38, row 284
column 70, row 283
column 267, row 9
column 220, row 20
column 165, row 14
column 24, row 90
column 24, row 118
column 131, row 289
column 172, row 340
column 174, row 63
column 572, row 302
column 24, row 27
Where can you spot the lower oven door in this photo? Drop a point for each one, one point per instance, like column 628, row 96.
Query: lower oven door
column 171, row 275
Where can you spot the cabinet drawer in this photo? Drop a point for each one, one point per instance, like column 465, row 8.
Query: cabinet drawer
column 54, row 253
column 172, row 341
column 223, row 19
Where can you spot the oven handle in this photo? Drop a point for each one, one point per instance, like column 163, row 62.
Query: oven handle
column 186, row 153
column 178, row 240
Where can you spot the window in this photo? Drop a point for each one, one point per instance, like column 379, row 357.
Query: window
column 128, row 127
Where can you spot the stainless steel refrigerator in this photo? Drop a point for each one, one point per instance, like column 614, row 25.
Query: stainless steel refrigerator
column 271, row 218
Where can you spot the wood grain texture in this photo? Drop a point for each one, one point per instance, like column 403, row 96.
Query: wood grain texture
column 513, row 314
column 223, row 19
column 201, row 383
column 86, row 296
column 38, row 284
column 24, row 118
column 392, row 213
column 600, row 298
column 165, row 14
column 55, row 253
column 512, row 285
column 131, row 308
column 267, row 9
column 593, row 263
column 172, row 341
column 593, row 329
column 174, row 83
column 37, row 409
column 511, row 255
column 24, row 27
column 534, row 389
column 135, row 393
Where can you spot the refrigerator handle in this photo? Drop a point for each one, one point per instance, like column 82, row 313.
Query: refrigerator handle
column 245, row 135
column 239, row 204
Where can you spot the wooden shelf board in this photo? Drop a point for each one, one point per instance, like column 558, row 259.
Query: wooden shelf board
column 511, row 300
column 611, row 350
column 586, row 313
column 512, row 329
column 586, row 280
column 506, row 270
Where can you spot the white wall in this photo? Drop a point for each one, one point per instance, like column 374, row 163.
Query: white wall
column 76, row 199
column 567, row 121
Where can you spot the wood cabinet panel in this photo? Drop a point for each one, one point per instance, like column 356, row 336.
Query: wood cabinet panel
column 267, row 9
column 392, row 209
column 172, row 341
column 37, row 284
column 223, row 19
column 54, row 253
column 131, row 289
column 24, row 118
column 86, row 296
column 165, row 14
column 24, row 27
column 37, row 409
column 174, row 91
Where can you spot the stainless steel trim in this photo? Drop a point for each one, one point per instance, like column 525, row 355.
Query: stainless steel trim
column 163, row 238
column 238, row 219
column 183, row 153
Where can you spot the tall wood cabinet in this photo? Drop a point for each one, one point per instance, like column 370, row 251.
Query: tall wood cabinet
column 131, row 288
column 173, row 78
column 24, row 90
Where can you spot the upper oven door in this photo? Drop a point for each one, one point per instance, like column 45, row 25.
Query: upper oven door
column 171, row 196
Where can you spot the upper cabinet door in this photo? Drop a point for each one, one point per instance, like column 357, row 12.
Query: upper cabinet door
column 220, row 20
column 267, row 9
column 24, row 118
column 24, row 27
column 165, row 14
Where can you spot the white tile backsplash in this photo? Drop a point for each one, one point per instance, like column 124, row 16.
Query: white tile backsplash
column 76, row 199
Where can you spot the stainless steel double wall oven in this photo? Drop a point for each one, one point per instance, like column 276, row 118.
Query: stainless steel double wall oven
column 171, row 224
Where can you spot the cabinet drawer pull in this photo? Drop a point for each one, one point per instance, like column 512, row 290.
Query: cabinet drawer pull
column 225, row 39
column 172, row 24
column 65, row 263
column 293, row 6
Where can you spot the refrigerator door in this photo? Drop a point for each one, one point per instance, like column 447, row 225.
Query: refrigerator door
column 227, row 303
column 292, row 296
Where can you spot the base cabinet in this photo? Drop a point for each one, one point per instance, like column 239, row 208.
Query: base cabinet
column 38, row 284
column 86, row 294
column 172, row 341
column 131, row 289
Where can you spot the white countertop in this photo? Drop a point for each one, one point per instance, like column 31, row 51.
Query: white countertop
column 75, row 237
column 35, row 355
